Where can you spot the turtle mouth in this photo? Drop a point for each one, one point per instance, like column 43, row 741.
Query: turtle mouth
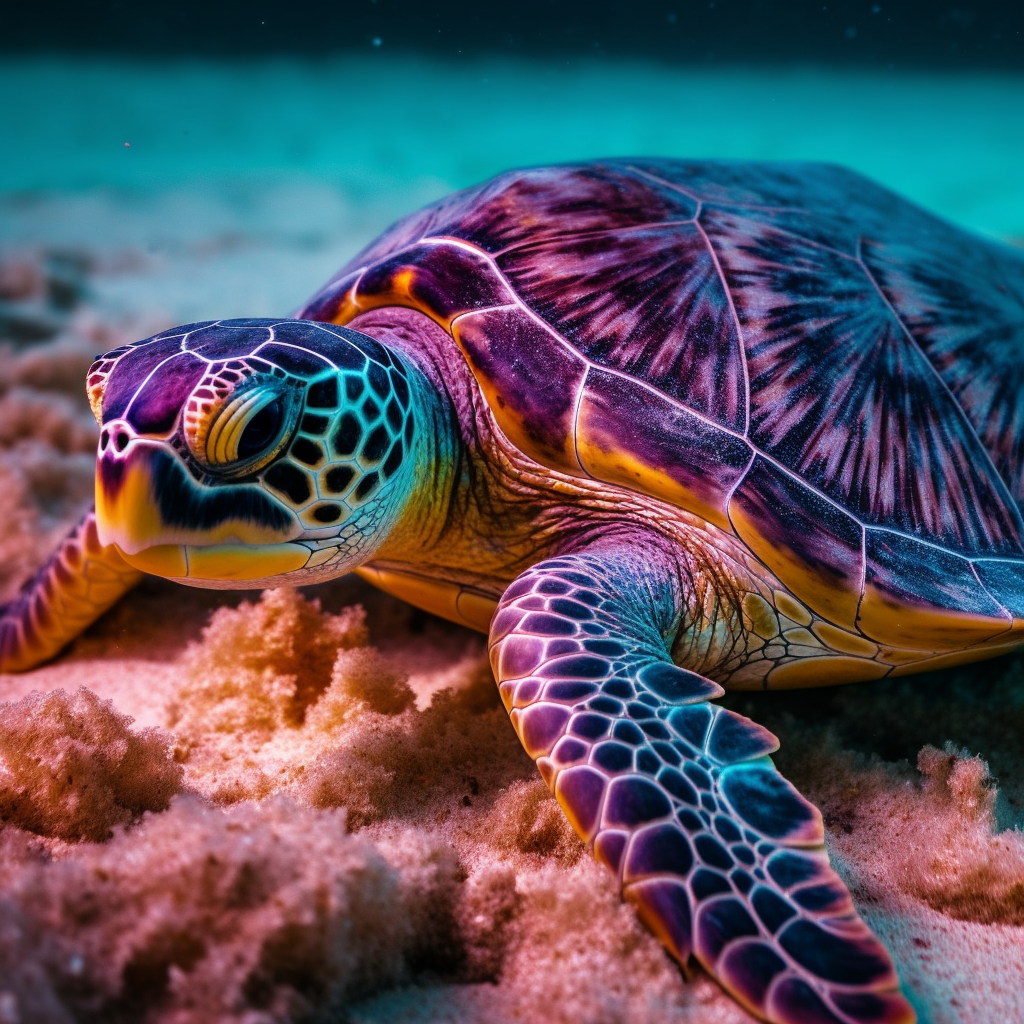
column 228, row 563
column 162, row 521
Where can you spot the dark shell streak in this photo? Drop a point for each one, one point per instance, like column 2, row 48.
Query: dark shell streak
column 790, row 351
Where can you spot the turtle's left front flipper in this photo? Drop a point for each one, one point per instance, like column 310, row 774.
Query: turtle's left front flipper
column 722, row 857
column 81, row 580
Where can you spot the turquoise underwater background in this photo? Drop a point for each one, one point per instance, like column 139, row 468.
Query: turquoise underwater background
column 954, row 142
column 263, row 140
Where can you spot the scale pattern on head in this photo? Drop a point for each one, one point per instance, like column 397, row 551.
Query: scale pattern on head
column 297, row 426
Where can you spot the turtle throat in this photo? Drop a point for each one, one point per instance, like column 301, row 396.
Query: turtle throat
column 435, row 458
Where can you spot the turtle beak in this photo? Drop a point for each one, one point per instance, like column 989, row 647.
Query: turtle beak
column 127, row 505
column 162, row 521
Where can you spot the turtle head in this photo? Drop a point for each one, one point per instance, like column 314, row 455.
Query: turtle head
column 252, row 452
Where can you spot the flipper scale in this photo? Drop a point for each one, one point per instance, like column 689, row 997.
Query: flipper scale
column 721, row 856
column 81, row 580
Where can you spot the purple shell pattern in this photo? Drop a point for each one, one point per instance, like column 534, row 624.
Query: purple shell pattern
column 862, row 351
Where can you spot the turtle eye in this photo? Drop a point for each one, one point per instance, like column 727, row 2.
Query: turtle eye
column 262, row 430
column 246, row 430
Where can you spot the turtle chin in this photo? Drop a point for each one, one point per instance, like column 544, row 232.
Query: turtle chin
column 224, row 565
column 163, row 522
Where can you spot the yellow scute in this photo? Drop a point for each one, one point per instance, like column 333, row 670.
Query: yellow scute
column 160, row 560
column 840, row 640
column 824, row 672
column 244, row 562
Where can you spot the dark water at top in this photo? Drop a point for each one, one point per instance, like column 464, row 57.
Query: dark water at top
column 893, row 34
column 253, row 147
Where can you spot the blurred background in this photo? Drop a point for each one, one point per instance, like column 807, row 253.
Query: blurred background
column 903, row 33
column 219, row 159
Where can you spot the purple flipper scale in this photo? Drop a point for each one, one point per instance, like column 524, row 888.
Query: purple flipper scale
column 722, row 857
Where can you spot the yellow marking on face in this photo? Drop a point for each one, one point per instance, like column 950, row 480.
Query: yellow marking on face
column 219, row 561
column 129, row 518
column 166, row 560
column 904, row 625
column 791, row 608
column 840, row 640
column 826, row 671
column 821, row 592
column 244, row 562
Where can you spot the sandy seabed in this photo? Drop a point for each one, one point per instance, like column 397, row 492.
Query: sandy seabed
column 311, row 805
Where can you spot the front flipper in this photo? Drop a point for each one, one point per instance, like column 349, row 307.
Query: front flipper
column 81, row 580
column 722, row 857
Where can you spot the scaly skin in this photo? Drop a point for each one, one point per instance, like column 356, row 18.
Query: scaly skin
column 722, row 857
column 80, row 581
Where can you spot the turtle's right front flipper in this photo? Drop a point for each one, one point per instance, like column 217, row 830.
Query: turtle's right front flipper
column 723, row 858
column 81, row 580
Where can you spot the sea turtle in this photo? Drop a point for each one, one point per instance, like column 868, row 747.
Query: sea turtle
column 660, row 427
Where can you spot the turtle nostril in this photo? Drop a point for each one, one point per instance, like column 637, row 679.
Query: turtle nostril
column 104, row 441
column 121, row 441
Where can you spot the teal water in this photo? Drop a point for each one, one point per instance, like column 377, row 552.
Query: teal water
column 402, row 130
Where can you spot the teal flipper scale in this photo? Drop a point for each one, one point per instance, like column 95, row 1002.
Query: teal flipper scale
column 722, row 857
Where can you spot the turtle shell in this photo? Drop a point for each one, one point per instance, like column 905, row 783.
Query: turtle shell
column 790, row 351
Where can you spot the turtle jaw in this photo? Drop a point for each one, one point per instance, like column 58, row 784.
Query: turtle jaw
column 244, row 565
column 163, row 522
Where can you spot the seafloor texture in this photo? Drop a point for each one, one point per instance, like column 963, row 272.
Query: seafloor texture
column 320, row 811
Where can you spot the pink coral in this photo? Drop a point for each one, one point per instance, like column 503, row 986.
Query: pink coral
column 260, row 912
column 261, row 666
column 966, row 868
column 72, row 768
